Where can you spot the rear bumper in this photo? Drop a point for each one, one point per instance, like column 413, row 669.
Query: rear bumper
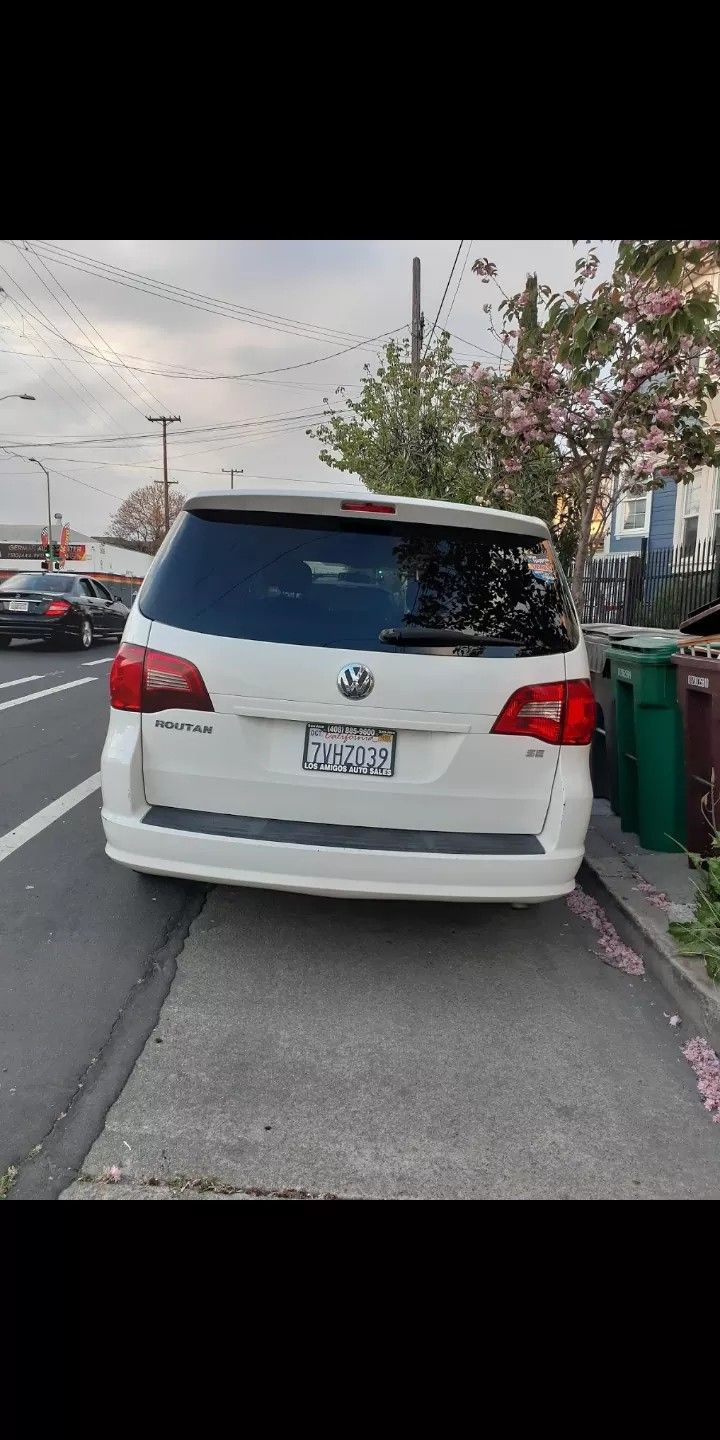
column 148, row 841
column 20, row 628
column 365, row 874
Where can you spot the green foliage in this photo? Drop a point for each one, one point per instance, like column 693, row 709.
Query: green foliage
column 701, row 935
column 408, row 437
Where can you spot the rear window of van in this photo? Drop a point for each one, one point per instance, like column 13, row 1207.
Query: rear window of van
column 338, row 582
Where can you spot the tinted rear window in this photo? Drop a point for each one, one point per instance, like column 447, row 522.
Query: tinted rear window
column 49, row 584
column 322, row 581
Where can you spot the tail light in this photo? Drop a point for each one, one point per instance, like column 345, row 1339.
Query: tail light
column 58, row 607
column 561, row 713
column 149, row 680
column 368, row 507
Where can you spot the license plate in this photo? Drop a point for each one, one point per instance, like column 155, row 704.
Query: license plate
column 349, row 750
column 19, row 605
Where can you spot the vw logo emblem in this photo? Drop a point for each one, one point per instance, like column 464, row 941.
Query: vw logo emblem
column 355, row 681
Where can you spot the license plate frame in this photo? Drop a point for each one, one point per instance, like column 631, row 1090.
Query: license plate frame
column 365, row 736
column 19, row 607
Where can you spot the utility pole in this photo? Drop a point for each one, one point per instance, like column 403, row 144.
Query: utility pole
column 33, row 461
column 165, row 420
column 417, row 320
column 232, row 473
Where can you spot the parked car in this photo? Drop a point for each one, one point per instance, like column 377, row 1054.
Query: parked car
column 60, row 608
column 355, row 695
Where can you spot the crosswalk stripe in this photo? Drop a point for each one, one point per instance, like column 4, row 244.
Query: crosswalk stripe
column 24, row 680
column 54, row 690
column 12, row 841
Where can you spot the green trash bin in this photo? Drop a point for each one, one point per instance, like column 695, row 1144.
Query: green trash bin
column 651, row 771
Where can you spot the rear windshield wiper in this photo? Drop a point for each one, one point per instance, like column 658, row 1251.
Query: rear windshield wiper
column 421, row 635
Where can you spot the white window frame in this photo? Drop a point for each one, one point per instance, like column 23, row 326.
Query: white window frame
column 708, row 494
column 637, row 532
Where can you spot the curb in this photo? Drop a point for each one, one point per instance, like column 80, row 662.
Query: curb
column 642, row 926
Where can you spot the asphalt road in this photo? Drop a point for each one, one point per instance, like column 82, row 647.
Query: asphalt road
column 77, row 933
column 355, row 1048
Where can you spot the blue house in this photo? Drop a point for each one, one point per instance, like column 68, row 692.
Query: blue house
column 675, row 516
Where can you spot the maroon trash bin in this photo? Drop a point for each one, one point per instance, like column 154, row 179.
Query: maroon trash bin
column 698, row 688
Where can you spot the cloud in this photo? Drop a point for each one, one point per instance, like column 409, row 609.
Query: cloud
column 358, row 287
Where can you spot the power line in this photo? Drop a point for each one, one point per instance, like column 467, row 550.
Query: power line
column 442, row 302
column 457, row 287
column 180, row 294
column 64, row 338
column 144, row 437
column 94, row 405
column 132, row 383
column 186, row 373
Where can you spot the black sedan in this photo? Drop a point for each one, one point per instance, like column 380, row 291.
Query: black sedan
column 61, row 609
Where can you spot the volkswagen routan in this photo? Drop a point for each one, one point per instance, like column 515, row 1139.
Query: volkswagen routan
column 351, row 694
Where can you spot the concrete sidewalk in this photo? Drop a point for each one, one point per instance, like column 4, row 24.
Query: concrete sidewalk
column 649, row 890
column 314, row 1048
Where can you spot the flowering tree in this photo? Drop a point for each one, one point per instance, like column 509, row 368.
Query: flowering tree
column 616, row 377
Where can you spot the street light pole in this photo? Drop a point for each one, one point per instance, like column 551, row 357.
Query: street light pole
column 47, row 477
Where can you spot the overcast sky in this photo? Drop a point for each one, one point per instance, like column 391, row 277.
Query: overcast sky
column 328, row 295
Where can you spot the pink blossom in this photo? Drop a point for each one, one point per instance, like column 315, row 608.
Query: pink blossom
column 628, row 435
column 706, row 1065
column 511, row 466
column 615, row 951
column 663, row 416
column 646, row 367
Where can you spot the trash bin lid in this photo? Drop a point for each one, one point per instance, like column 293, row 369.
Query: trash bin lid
column 599, row 640
column 644, row 649
column 704, row 621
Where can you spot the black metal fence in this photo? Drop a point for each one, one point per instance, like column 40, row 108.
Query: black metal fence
column 656, row 587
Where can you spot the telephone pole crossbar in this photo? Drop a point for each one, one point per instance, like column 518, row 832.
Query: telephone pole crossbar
column 165, row 420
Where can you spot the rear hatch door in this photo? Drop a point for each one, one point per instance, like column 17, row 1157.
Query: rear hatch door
column 274, row 607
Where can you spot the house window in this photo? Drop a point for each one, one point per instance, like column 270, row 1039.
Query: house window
column 635, row 512
column 691, row 514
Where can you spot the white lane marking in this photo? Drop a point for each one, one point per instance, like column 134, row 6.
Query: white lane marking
column 106, row 660
column 24, row 680
column 12, row 841
column 54, row 690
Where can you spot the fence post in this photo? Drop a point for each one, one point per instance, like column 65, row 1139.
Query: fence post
column 634, row 584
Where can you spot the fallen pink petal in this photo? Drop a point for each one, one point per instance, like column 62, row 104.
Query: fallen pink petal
column 656, row 897
column 613, row 950
column 112, row 1175
column 706, row 1065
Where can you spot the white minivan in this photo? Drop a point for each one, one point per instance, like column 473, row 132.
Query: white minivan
column 352, row 694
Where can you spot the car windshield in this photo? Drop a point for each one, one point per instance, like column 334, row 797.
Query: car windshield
column 49, row 584
column 325, row 581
